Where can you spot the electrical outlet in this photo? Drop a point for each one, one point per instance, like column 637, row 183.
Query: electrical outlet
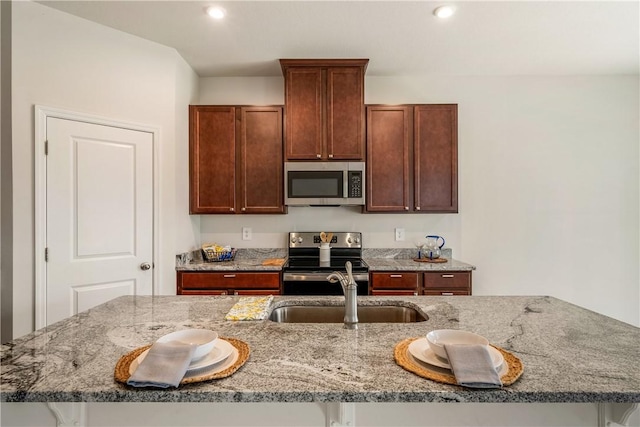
column 246, row 233
column 399, row 234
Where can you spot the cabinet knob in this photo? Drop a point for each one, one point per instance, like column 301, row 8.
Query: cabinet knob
column 331, row 156
column 406, row 208
column 231, row 209
column 417, row 208
column 229, row 276
column 243, row 209
column 318, row 155
column 447, row 294
column 395, row 276
column 447, row 276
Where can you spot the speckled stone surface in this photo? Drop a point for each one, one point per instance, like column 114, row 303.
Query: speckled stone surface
column 245, row 259
column 404, row 264
column 570, row 354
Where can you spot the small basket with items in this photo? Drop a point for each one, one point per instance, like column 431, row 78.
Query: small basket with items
column 212, row 252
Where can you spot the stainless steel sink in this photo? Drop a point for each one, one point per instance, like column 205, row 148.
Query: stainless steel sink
column 335, row 314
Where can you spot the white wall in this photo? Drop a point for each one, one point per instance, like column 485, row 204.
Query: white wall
column 66, row 62
column 548, row 184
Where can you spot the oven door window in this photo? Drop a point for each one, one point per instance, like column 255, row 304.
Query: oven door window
column 309, row 184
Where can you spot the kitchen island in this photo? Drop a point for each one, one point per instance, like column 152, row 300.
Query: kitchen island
column 570, row 354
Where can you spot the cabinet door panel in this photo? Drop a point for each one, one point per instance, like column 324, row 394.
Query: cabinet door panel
column 212, row 159
column 345, row 113
column 261, row 162
column 303, row 116
column 436, row 158
column 389, row 133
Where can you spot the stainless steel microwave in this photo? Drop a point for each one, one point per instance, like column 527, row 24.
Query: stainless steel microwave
column 324, row 183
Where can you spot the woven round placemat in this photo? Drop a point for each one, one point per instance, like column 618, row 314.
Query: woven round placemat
column 121, row 373
column 435, row 260
column 404, row 359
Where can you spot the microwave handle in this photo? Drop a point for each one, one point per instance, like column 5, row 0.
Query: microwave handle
column 345, row 183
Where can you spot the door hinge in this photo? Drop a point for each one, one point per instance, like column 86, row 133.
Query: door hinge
column 46, row 147
column 46, row 254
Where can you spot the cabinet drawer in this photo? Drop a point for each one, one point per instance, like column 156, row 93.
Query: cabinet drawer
column 447, row 280
column 229, row 280
column 445, row 292
column 390, row 292
column 257, row 292
column 395, row 280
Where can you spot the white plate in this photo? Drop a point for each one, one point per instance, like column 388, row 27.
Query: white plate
column 221, row 351
column 420, row 350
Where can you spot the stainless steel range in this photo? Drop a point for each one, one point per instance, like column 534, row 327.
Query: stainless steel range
column 305, row 274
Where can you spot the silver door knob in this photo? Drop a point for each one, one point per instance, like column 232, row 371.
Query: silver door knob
column 145, row 266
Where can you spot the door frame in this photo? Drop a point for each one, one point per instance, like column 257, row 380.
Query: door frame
column 42, row 113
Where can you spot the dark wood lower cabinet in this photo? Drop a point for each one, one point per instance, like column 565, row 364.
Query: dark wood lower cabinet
column 228, row 283
column 395, row 283
column 447, row 283
column 420, row 283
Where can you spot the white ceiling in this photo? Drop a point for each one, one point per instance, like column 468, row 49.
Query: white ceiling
column 399, row 37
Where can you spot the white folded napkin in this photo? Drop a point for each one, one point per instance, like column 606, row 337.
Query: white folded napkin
column 164, row 365
column 472, row 365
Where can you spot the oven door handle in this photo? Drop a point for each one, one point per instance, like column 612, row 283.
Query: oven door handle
column 314, row 276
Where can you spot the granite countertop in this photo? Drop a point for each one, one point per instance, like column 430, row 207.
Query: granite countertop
column 400, row 264
column 377, row 259
column 570, row 354
column 245, row 260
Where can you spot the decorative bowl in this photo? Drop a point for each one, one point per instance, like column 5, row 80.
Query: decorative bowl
column 439, row 337
column 205, row 339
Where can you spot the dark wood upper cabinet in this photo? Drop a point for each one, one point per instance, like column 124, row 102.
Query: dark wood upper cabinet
column 324, row 108
column 212, row 159
column 389, row 160
column 235, row 160
column 412, row 158
column 435, row 149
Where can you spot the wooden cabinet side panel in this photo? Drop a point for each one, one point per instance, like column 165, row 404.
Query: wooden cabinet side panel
column 261, row 160
column 388, row 145
column 345, row 113
column 436, row 158
column 303, row 113
column 212, row 159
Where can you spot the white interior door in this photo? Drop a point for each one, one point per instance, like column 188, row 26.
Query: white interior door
column 99, row 215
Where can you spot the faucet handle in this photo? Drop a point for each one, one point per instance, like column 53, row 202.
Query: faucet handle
column 348, row 266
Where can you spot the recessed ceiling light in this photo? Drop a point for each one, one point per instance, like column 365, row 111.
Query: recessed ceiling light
column 216, row 12
column 443, row 11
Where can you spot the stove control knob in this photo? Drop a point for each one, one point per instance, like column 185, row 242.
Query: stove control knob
column 293, row 240
column 349, row 240
column 357, row 240
column 299, row 239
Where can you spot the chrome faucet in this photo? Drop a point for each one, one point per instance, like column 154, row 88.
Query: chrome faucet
column 349, row 288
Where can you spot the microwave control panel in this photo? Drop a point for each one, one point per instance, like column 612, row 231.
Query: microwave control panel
column 355, row 184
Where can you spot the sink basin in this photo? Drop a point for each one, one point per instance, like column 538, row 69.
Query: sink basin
column 335, row 314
